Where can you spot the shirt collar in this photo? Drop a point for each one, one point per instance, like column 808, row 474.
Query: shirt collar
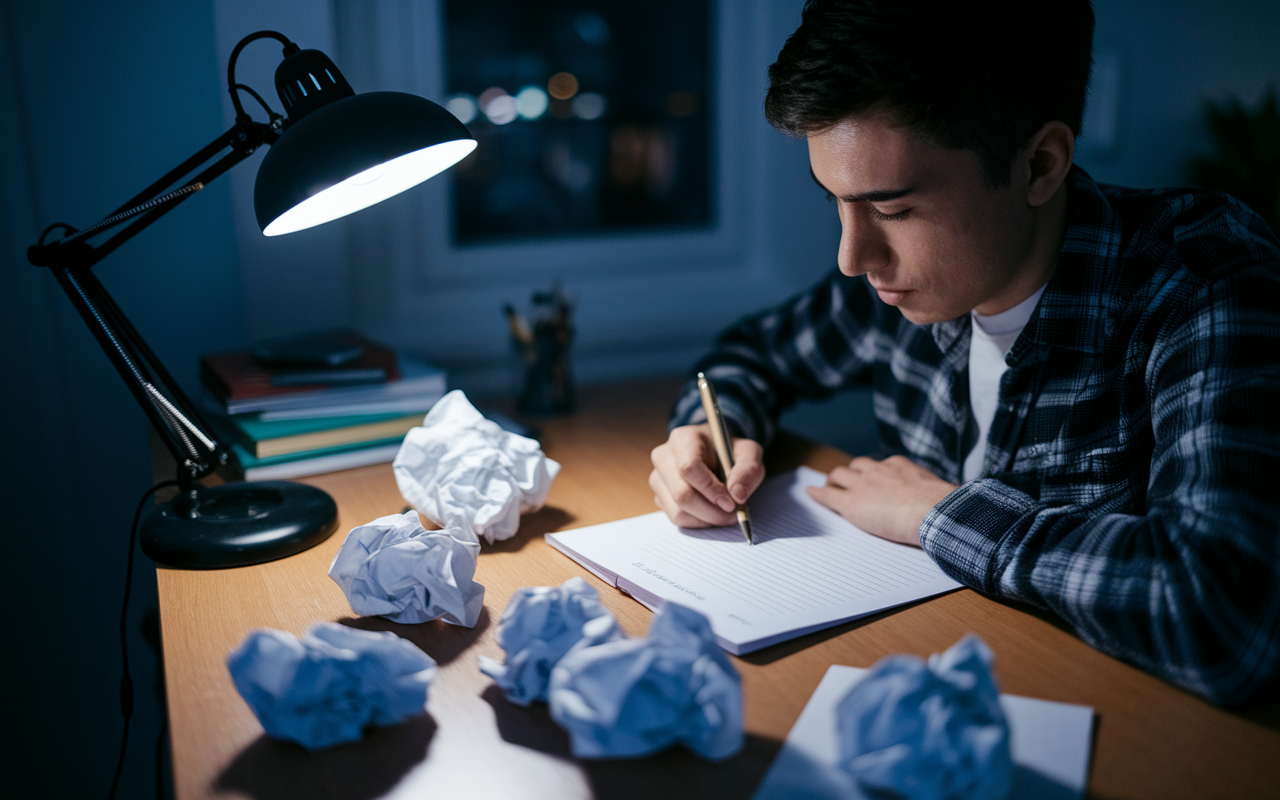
column 1080, row 298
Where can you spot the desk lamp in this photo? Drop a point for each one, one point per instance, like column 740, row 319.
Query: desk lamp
column 333, row 153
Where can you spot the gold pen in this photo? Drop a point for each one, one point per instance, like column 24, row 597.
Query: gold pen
column 720, row 436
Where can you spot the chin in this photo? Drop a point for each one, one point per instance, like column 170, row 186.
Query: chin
column 920, row 317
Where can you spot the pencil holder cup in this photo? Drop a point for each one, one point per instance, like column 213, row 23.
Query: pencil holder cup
column 546, row 387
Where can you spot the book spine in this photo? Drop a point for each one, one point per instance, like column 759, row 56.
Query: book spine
column 330, row 377
column 432, row 388
column 333, row 462
column 333, row 437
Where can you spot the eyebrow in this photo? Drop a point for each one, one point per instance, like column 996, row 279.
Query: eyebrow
column 878, row 196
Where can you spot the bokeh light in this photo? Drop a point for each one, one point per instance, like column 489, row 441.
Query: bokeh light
column 592, row 28
column 501, row 110
column 589, row 105
column 497, row 105
column 462, row 106
column 489, row 95
column 531, row 102
column 562, row 85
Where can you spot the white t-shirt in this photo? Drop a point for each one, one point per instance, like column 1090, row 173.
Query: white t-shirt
column 990, row 342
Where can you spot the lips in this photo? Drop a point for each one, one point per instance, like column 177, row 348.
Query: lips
column 891, row 296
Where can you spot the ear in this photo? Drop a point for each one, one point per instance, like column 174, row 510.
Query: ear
column 1048, row 156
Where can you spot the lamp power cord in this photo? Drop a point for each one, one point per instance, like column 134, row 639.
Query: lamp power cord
column 126, row 680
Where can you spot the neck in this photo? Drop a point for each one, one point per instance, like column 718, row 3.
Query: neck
column 1048, row 228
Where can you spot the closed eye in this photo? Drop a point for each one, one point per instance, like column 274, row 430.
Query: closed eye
column 883, row 217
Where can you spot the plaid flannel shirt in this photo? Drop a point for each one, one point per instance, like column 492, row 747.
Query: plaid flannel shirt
column 1130, row 478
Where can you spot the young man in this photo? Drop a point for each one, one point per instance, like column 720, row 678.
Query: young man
column 1082, row 382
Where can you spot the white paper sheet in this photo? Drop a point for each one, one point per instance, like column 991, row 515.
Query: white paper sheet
column 809, row 568
column 1050, row 742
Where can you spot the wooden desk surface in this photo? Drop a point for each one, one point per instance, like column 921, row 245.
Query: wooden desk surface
column 1151, row 740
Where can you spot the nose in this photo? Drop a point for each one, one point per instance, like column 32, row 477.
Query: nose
column 863, row 247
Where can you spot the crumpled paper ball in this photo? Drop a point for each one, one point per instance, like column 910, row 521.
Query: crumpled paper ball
column 324, row 689
column 541, row 625
column 634, row 697
column 913, row 730
column 461, row 469
column 395, row 568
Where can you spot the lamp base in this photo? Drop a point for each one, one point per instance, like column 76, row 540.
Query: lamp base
column 237, row 524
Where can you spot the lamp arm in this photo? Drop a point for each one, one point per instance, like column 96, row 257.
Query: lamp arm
column 195, row 452
column 243, row 139
column 179, row 422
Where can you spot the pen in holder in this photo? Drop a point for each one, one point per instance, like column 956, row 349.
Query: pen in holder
column 546, row 385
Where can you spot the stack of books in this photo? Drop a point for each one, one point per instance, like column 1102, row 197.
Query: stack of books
column 286, row 419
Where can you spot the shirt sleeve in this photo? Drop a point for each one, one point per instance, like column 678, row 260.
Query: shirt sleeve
column 812, row 345
column 1190, row 589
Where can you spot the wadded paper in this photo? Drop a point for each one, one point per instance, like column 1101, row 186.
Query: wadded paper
column 325, row 688
column 634, row 697
column 460, row 469
column 1050, row 744
column 395, row 568
column 921, row 731
column 542, row 624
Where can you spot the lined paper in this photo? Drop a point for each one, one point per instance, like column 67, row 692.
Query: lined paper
column 809, row 568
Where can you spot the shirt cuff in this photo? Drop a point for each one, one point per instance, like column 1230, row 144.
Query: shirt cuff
column 689, row 411
column 963, row 534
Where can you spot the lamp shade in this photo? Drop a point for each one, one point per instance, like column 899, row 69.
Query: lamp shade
column 352, row 153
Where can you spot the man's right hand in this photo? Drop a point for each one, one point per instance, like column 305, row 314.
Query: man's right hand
column 684, row 479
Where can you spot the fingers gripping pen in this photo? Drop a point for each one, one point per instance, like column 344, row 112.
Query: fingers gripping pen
column 720, row 436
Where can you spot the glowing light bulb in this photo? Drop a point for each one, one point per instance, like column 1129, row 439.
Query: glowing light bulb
column 371, row 186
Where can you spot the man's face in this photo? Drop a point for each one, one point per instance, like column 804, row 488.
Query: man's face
column 917, row 220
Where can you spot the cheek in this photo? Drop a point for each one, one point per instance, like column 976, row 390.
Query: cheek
column 998, row 231
column 931, row 257
column 967, row 251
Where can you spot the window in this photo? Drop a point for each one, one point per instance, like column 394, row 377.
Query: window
column 592, row 117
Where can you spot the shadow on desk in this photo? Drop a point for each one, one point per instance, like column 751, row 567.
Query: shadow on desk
column 442, row 641
column 672, row 773
column 360, row 770
column 533, row 526
column 781, row 650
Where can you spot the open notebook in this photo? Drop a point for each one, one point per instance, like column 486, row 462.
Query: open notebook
column 809, row 568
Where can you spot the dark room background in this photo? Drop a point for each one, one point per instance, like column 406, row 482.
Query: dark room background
column 98, row 99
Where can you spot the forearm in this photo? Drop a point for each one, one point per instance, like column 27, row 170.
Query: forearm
column 1154, row 534
column 1191, row 597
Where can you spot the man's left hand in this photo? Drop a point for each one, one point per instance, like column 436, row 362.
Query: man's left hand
column 889, row 498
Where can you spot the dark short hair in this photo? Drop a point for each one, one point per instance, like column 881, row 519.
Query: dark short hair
column 980, row 76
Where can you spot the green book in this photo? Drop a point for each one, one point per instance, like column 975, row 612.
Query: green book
column 249, row 461
column 276, row 438
column 255, row 430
